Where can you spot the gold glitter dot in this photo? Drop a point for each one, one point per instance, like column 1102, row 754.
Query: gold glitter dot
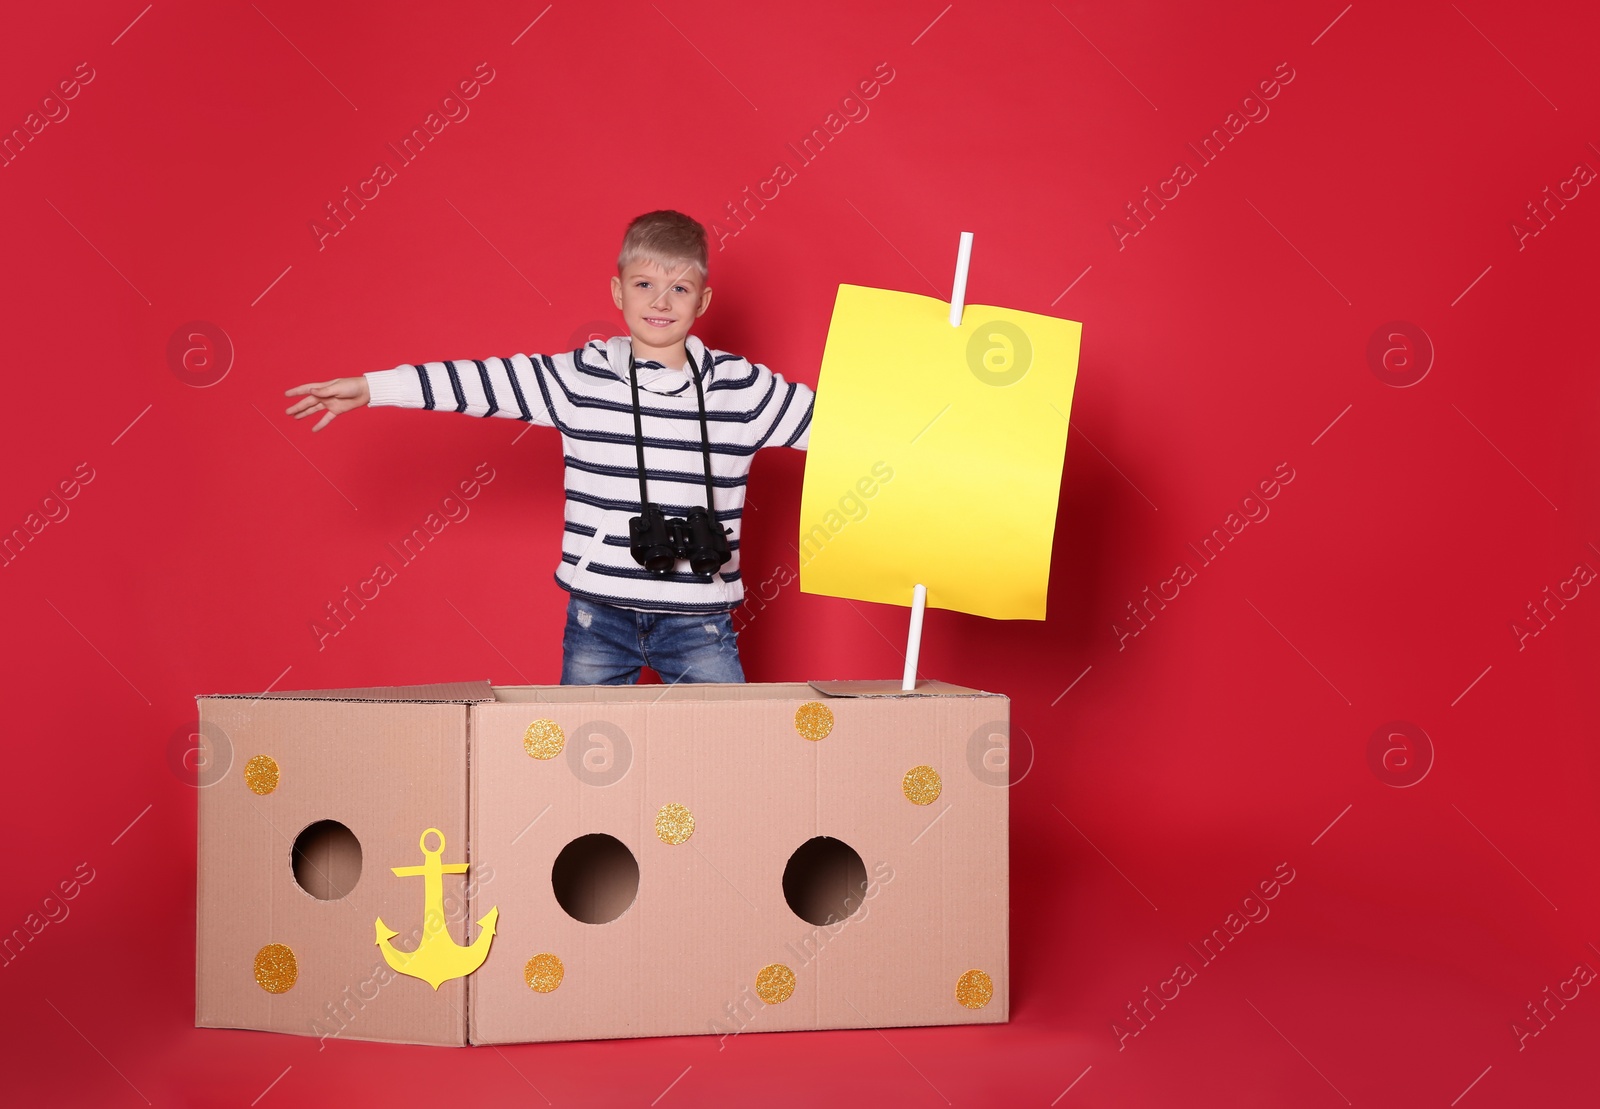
column 974, row 989
column 275, row 968
column 921, row 785
column 674, row 823
column 543, row 972
column 544, row 739
column 775, row 983
column 261, row 775
column 813, row 720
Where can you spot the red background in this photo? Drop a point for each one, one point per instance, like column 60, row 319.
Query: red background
column 1229, row 336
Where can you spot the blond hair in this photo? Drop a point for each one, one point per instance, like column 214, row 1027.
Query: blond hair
column 668, row 238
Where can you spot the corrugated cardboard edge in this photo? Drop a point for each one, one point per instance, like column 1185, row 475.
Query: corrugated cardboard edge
column 437, row 693
column 471, row 892
column 890, row 687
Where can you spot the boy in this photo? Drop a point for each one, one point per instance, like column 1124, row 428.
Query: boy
column 658, row 401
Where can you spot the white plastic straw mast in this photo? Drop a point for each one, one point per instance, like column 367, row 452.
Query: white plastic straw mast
column 919, row 602
column 919, row 594
column 958, row 295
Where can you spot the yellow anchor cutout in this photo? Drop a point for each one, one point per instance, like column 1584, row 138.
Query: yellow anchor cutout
column 437, row 958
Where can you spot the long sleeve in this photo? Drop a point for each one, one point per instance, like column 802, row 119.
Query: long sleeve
column 802, row 438
column 785, row 417
column 514, row 387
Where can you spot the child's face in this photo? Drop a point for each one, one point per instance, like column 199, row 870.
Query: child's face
column 659, row 304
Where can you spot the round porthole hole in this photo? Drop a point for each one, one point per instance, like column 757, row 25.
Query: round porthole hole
column 825, row 881
column 327, row 860
column 595, row 878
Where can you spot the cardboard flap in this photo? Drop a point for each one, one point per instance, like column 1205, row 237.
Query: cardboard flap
column 890, row 687
column 439, row 693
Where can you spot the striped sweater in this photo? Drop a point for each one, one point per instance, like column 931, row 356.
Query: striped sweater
column 584, row 394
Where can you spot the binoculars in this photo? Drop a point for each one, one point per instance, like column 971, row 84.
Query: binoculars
column 657, row 542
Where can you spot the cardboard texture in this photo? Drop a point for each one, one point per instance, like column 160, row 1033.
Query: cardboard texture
column 652, row 875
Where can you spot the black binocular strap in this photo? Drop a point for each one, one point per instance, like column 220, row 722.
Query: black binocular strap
column 638, row 435
column 638, row 431
column 705, row 446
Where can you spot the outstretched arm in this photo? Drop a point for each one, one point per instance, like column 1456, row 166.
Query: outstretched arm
column 512, row 387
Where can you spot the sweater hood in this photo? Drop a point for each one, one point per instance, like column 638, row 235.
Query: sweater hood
column 653, row 377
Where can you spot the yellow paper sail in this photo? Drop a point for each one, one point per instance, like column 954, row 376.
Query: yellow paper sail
column 936, row 453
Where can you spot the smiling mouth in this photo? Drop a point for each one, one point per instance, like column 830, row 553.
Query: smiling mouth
column 659, row 321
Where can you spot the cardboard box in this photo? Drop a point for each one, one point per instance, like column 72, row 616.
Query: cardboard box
column 651, row 860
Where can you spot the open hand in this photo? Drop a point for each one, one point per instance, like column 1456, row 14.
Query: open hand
column 328, row 397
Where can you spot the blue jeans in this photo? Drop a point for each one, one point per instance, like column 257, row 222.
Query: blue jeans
column 606, row 645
